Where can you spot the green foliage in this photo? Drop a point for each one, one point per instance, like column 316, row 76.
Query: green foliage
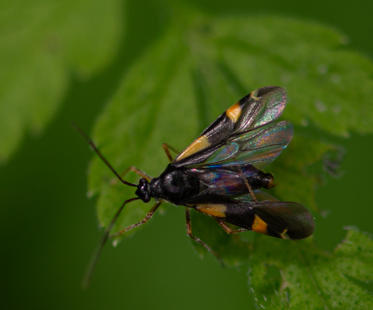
column 193, row 73
column 289, row 275
column 40, row 48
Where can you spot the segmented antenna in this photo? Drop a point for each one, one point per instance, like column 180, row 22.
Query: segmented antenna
column 105, row 237
column 94, row 147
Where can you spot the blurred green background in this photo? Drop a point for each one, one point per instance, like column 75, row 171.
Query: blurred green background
column 49, row 226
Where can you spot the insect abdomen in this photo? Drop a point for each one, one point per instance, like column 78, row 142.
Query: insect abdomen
column 286, row 220
column 226, row 183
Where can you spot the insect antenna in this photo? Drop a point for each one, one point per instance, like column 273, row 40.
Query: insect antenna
column 94, row 147
column 98, row 250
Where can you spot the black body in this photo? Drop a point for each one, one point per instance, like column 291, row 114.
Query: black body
column 191, row 188
column 185, row 186
column 218, row 173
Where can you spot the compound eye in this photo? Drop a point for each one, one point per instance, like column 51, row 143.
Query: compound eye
column 146, row 197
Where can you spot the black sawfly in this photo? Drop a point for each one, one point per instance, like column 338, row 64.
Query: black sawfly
column 219, row 174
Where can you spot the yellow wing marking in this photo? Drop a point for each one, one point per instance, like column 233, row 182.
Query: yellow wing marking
column 234, row 112
column 259, row 225
column 217, row 210
column 199, row 144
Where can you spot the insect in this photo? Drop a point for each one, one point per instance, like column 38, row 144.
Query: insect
column 219, row 174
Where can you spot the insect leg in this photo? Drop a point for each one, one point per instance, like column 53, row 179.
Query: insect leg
column 139, row 172
column 251, row 192
column 167, row 149
column 135, row 170
column 229, row 230
column 143, row 221
column 196, row 239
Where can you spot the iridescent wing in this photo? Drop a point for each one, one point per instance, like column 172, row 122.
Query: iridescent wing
column 222, row 183
column 258, row 147
column 252, row 112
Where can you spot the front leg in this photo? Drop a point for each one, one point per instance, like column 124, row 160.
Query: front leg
column 147, row 217
column 132, row 169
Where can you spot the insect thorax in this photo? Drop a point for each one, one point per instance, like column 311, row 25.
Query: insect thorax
column 174, row 185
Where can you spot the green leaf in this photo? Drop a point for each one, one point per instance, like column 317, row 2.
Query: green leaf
column 197, row 69
column 307, row 278
column 42, row 43
column 148, row 106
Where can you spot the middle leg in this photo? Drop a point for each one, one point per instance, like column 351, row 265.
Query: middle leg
column 196, row 239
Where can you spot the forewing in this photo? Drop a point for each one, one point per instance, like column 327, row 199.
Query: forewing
column 257, row 147
column 257, row 109
column 285, row 219
column 279, row 219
